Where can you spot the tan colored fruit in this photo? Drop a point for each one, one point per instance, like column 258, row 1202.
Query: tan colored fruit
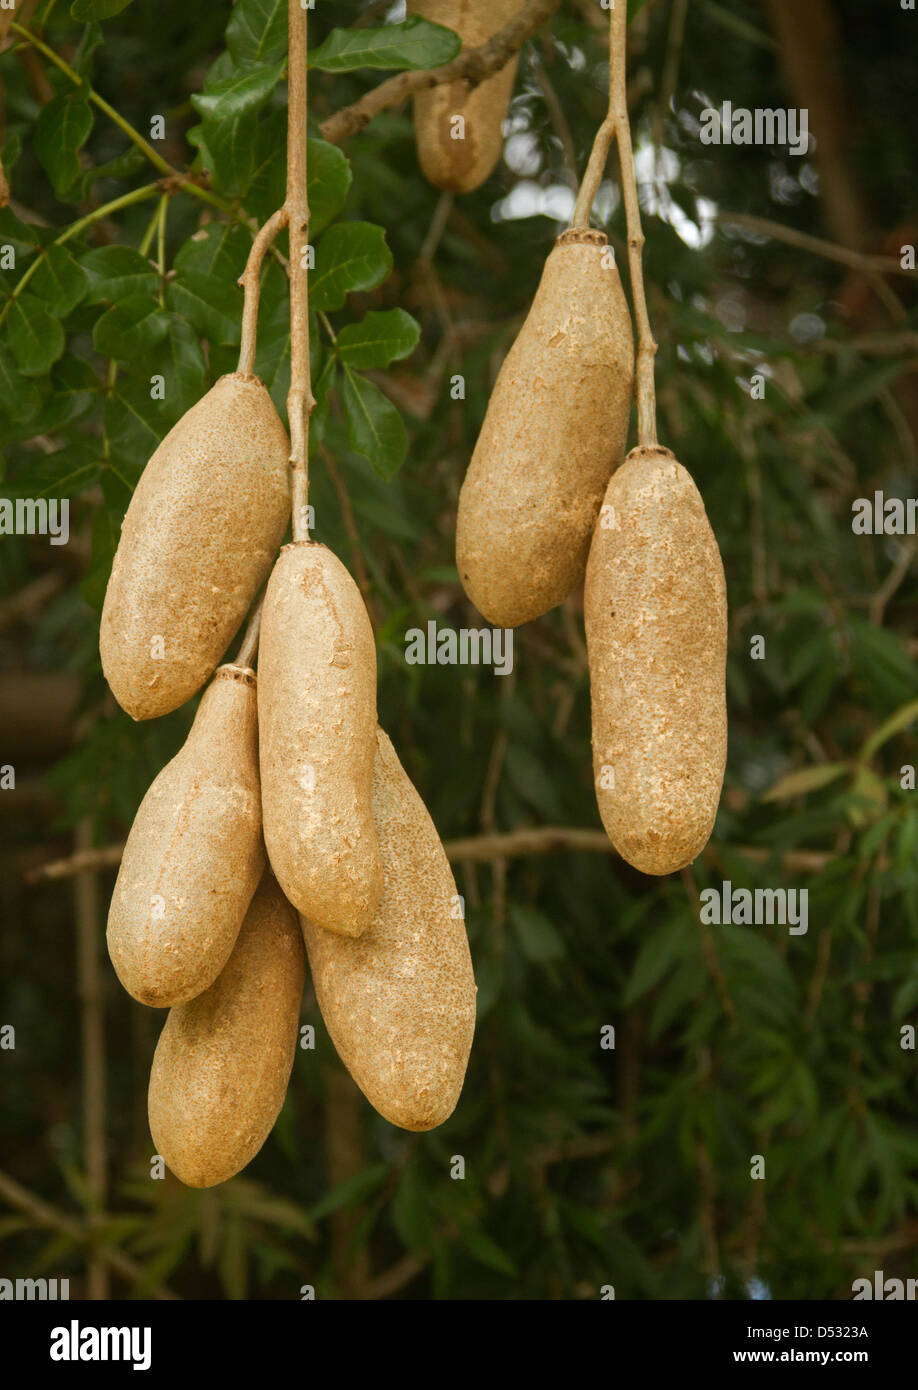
column 199, row 536
column 194, row 856
column 399, row 1001
column 317, row 721
column 223, row 1061
column 555, row 428
column 655, row 607
column 459, row 165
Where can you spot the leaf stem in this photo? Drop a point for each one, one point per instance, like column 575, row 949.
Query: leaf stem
column 137, row 195
column 133, row 134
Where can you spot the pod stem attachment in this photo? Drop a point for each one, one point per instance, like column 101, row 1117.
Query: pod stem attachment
column 300, row 400
column 250, row 280
column 250, row 641
column 644, row 386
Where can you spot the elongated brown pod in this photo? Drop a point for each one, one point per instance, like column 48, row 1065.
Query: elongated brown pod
column 655, row 607
column 317, row 729
column 399, row 1001
column 223, row 1061
column 194, row 855
column 198, row 538
column 458, row 128
column 555, row 428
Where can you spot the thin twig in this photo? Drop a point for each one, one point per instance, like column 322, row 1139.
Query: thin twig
column 250, row 280
column 829, row 250
column 513, row 844
column 300, row 400
column 473, row 65
column 49, row 1217
column 645, row 390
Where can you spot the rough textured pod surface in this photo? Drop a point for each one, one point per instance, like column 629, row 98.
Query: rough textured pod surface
column 555, row 428
column 317, row 730
column 195, row 854
column 459, row 165
column 198, row 538
column 223, row 1061
column 399, row 1001
column 655, row 607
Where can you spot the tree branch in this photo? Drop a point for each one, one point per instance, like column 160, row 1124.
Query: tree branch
column 473, row 65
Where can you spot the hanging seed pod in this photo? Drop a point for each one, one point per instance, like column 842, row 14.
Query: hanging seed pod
column 655, row 607
column 458, row 128
column 399, row 1001
column 317, row 719
column 555, row 428
column 194, row 856
column 199, row 536
column 223, row 1060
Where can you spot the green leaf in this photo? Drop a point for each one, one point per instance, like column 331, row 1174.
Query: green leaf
column 212, row 306
column 181, row 362
column 902, row 718
column 219, row 249
column 538, row 940
column 19, row 397
column 22, row 236
column 118, row 272
column 350, row 1192
column 415, row 43
column 381, row 337
column 374, row 426
column 322, row 392
column 36, row 337
column 86, row 10
column 62, row 129
column 805, row 779
column 257, row 31
column 128, row 330
column 60, row 280
column 134, row 425
column 350, row 256
column 329, row 178
column 240, row 92
column 74, row 390
column 65, row 473
column 106, row 531
column 487, row 1251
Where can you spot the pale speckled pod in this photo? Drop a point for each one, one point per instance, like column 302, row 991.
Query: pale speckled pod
column 317, row 730
column 198, row 538
column 399, row 1001
column 555, row 428
column 655, row 607
column 195, row 854
column 458, row 166
column 223, row 1061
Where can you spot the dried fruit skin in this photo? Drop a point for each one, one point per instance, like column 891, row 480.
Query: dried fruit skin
column 555, row 428
column 458, row 166
column 317, row 730
column 198, row 538
column 399, row 1001
column 223, row 1060
column 194, row 855
column 655, row 607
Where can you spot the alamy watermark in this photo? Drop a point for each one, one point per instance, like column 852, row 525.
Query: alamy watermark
column 36, row 516
column 470, row 646
column 884, row 516
column 729, row 906
column 763, row 126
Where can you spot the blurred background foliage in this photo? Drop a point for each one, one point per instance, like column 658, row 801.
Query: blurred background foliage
column 584, row 1166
